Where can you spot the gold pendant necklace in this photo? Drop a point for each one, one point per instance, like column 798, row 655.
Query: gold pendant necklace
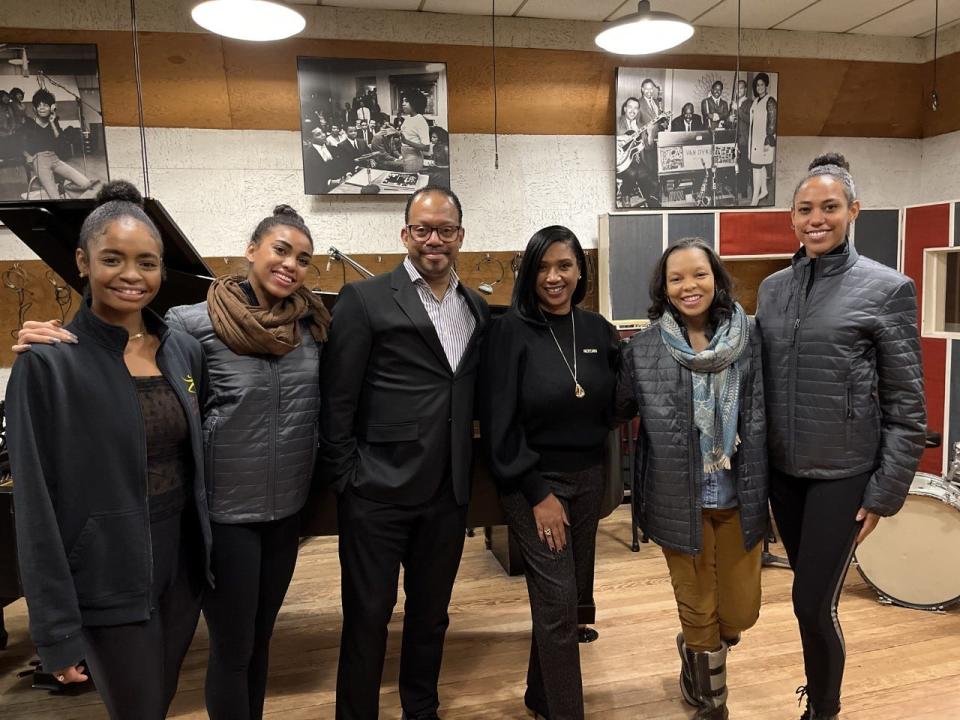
column 578, row 390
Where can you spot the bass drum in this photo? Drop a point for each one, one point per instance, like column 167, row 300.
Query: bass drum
column 913, row 558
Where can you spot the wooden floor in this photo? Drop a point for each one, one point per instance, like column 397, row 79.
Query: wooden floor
column 902, row 664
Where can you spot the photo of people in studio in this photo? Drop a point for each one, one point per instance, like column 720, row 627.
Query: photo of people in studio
column 373, row 126
column 695, row 138
column 52, row 143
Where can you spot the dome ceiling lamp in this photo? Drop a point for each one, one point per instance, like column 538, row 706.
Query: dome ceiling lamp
column 256, row 20
column 644, row 32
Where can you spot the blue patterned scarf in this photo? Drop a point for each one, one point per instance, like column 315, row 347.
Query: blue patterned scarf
column 716, row 384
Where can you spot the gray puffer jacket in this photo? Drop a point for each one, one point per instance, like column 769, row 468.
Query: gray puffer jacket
column 259, row 424
column 841, row 361
column 669, row 469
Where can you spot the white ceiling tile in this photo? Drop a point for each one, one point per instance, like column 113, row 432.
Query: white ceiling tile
column 374, row 4
column 471, row 7
column 943, row 26
column 687, row 9
column 904, row 18
column 760, row 14
column 915, row 18
column 569, row 9
column 837, row 15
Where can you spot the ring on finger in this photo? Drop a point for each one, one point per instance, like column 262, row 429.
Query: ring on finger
column 548, row 532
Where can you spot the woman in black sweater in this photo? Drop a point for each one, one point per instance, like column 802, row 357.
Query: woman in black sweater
column 107, row 454
column 549, row 373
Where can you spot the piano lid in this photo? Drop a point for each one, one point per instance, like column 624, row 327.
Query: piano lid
column 51, row 227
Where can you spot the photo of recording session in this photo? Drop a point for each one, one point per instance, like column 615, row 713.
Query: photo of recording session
column 51, row 131
column 373, row 126
column 695, row 138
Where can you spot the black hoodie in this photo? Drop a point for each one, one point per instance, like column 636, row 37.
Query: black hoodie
column 79, row 462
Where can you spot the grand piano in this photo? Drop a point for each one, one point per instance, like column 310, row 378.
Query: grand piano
column 51, row 227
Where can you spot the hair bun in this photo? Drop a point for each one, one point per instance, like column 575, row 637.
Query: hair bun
column 829, row 159
column 122, row 190
column 286, row 211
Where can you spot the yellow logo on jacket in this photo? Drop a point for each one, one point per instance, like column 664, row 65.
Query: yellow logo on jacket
column 191, row 386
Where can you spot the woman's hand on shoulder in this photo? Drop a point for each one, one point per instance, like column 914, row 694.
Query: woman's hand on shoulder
column 551, row 521
column 49, row 332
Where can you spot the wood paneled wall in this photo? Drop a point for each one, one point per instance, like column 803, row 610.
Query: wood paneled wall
column 204, row 81
column 39, row 294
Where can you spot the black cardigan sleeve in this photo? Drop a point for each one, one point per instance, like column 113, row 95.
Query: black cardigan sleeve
column 513, row 463
column 55, row 623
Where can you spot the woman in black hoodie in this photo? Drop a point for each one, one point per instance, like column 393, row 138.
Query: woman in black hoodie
column 107, row 455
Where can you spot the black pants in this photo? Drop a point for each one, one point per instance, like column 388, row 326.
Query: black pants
column 252, row 567
column 375, row 540
column 136, row 666
column 817, row 523
column 556, row 582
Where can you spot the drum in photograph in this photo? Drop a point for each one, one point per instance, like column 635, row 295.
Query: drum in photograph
column 913, row 558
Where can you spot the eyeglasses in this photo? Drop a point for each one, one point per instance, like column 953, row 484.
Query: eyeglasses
column 422, row 233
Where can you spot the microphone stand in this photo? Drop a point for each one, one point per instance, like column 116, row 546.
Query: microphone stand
column 340, row 257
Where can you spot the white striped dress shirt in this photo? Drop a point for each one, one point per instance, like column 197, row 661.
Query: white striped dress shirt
column 451, row 317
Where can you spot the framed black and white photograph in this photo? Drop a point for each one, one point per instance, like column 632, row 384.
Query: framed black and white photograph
column 52, row 144
column 695, row 138
column 373, row 126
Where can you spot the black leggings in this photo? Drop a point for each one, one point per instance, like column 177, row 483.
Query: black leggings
column 818, row 527
column 136, row 666
column 252, row 566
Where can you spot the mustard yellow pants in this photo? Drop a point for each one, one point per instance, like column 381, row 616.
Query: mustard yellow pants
column 717, row 591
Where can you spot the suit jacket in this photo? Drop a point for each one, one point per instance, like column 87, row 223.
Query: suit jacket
column 318, row 170
column 709, row 106
column 396, row 420
column 349, row 153
column 678, row 124
column 647, row 115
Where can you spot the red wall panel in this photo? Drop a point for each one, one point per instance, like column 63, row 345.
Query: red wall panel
column 927, row 227
column 757, row 233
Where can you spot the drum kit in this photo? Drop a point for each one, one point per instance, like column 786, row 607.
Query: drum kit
column 913, row 558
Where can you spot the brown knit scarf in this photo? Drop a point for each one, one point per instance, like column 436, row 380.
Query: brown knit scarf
column 253, row 330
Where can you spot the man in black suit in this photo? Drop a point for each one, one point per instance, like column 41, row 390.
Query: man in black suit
column 321, row 169
column 688, row 120
column 397, row 388
column 351, row 148
column 714, row 108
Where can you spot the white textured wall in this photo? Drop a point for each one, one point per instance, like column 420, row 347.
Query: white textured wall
column 218, row 183
column 939, row 171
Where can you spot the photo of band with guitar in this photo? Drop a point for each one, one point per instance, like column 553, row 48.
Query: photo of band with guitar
column 695, row 138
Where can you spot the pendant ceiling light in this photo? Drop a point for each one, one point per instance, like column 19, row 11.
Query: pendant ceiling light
column 934, row 98
column 644, row 32
column 257, row 20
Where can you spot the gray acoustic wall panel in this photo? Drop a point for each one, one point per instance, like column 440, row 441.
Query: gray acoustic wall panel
column 636, row 243
column 681, row 225
column 877, row 235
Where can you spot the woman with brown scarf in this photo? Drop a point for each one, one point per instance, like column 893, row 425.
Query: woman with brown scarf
column 262, row 336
